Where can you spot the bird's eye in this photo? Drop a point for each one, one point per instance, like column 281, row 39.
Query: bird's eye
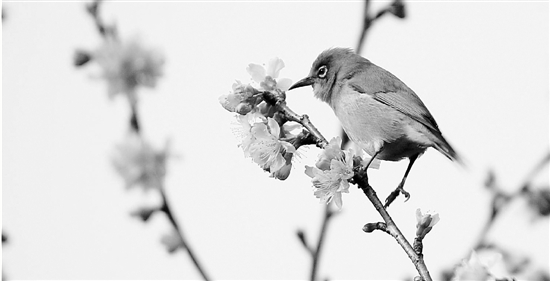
column 322, row 71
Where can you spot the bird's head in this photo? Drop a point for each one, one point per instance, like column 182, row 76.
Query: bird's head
column 329, row 66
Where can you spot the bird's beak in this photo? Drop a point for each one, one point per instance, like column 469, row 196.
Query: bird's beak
column 304, row 82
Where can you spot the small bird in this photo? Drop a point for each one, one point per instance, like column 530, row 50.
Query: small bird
column 376, row 110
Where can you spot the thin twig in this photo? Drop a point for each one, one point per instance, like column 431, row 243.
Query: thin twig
column 500, row 200
column 166, row 209
column 106, row 31
column 316, row 254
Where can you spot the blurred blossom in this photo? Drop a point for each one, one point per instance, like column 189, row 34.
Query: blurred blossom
column 539, row 200
column 267, row 77
column 139, row 164
column 127, row 65
column 483, row 265
column 242, row 99
column 332, row 172
column 172, row 241
column 425, row 222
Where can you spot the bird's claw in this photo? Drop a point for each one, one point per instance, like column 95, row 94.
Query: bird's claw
column 407, row 195
column 393, row 195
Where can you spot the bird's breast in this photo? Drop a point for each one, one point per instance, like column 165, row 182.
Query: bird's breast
column 373, row 125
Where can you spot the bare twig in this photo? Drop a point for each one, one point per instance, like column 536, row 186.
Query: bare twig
column 316, row 254
column 166, row 209
column 500, row 199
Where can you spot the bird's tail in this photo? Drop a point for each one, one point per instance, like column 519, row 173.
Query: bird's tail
column 446, row 149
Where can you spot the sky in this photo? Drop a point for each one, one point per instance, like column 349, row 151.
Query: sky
column 482, row 69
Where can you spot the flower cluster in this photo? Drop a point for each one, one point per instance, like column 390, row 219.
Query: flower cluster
column 265, row 138
column 127, row 65
column 139, row 164
column 331, row 173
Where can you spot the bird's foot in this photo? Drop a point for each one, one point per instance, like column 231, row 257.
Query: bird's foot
column 393, row 195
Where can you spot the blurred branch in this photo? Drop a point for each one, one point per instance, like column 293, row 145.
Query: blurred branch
column 537, row 199
column 166, row 209
column 102, row 28
column 315, row 253
column 397, row 8
column 500, row 199
column 82, row 57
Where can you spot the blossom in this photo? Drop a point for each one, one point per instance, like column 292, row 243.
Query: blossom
column 481, row 266
column 267, row 77
column 425, row 222
column 139, row 164
column 331, row 173
column 260, row 141
column 241, row 100
column 265, row 148
column 127, row 65
column 172, row 241
column 244, row 129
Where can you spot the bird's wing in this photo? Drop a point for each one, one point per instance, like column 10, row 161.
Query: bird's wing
column 385, row 88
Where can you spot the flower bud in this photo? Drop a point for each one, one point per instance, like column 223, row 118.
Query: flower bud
column 425, row 222
column 81, row 58
column 398, row 9
column 370, row 227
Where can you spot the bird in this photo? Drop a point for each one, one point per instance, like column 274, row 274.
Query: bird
column 378, row 112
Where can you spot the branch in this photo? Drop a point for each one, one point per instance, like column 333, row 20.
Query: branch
column 109, row 32
column 500, row 199
column 360, row 178
column 317, row 253
column 166, row 209
column 396, row 8
column 102, row 28
column 277, row 98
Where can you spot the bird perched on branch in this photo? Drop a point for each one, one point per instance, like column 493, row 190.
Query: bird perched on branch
column 377, row 111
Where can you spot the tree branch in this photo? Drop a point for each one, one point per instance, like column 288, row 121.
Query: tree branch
column 360, row 178
column 316, row 254
column 166, row 209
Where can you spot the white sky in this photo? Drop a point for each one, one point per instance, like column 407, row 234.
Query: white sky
column 481, row 69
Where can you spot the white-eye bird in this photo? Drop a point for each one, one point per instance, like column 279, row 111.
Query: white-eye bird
column 376, row 110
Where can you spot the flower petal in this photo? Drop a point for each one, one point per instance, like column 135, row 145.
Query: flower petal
column 257, row 72
column 309, row 171
column 283, row 84
column 288, row 147
column 273, row 127
column 338, row 200
column 274, row 66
